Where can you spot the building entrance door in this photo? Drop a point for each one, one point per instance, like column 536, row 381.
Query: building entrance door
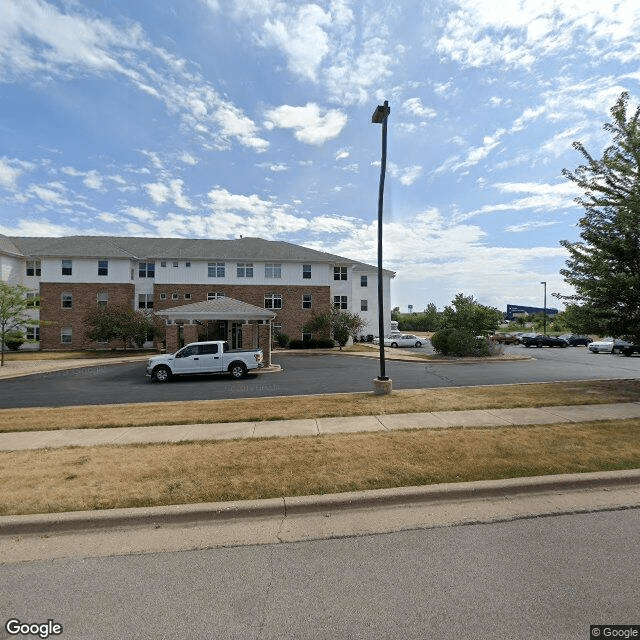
column 236, row 335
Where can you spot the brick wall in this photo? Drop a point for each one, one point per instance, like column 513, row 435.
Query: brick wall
column 85, row 299
column 292, row 316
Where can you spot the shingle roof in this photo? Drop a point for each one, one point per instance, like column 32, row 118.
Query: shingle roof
column 256, row 249
column 219, row 308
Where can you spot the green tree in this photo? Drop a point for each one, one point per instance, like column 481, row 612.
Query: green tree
column 339, row 324
column 14, row 312
column 463, row 325
column 604, row 265
column 469, row 315
column 119, row 322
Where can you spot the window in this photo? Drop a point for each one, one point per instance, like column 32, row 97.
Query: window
column 103, row 267
column 339, row 273
column 33, row 300
column 163, row 263
column 363, row 281
column 306, row 336
column 272, row 301
column 364, row 305
column 244, row 269
column 163, row 296
column 306, row 272
column 306, row 301
column 215, row 295
column 33, row 334
column 175, row 296
column 187, row 264
column 145, row 301
column 187, row 296
column 66, row 335
column 339, row 302
column 103, row 298
column 67, row 300
column 272, row 270
column 67, row 267
column 34, row 268
column 146, row 269
column 215, row 269
column 204, row 349
column 175, row 263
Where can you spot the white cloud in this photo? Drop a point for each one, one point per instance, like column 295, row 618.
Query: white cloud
column 172, row 192
column 9, row 174
column 37, row 40
column 302, row 37
column 93, row 180
column 530, row 226
column 517, row 33
column 416, row 108
column 307, row 122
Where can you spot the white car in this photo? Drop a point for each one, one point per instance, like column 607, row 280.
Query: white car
column 608, row 345
column 601, row 346
column 403, row 340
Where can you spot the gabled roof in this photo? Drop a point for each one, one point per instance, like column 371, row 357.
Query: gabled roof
column 249, row 249
column 219, row 309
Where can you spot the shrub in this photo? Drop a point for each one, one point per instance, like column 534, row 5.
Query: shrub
column 281, row 339
column 13, row 340
column 296, row 344
column 310, row 343
column 457, row 342
column 439, row 341
column 325, row 343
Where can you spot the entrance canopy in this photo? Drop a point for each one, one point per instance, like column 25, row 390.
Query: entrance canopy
column 219, row 309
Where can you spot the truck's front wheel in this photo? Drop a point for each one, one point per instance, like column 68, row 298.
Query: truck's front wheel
column 237, row 370
column 161, row 374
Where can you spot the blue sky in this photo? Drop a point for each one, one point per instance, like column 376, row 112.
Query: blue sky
column 221, row 118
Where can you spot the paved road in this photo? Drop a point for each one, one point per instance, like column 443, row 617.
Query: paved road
column 304, row 374
column 547, row 578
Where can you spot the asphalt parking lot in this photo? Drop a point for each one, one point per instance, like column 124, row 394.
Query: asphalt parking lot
column 311, row 373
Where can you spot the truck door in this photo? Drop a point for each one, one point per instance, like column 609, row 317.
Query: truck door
column 210, row 359
column 186, row 360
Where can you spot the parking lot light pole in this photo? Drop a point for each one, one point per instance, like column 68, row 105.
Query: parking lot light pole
column 544, row 316
column 382, row 385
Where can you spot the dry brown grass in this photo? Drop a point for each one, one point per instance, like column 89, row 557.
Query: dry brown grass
column 351, row 404
column 109, row 477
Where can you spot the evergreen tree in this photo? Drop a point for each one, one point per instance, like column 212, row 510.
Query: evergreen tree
column 604, row 266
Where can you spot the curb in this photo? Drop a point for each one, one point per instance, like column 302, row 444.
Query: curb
column 305, row 505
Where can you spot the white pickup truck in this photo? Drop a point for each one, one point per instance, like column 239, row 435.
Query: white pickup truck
column 204, row 357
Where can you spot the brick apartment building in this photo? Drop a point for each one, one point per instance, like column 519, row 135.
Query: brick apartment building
column 184, row 282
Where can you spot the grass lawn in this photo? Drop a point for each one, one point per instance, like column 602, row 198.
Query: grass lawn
column 108, row 477
column 348, row 404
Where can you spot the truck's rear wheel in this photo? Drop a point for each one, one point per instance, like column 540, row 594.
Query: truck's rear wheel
column 237, row 370
column 161, row 374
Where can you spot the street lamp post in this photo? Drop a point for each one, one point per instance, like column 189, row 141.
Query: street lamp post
column 382, row 385
column 544, row 316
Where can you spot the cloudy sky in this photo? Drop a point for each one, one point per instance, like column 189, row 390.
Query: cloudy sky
column 216, row 118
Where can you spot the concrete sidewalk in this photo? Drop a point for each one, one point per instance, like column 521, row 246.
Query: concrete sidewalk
column 569, row 414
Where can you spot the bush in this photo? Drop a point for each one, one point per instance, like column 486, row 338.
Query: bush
column 13, row 340
column 325, row 343
column 457, row 342
column 281, row 339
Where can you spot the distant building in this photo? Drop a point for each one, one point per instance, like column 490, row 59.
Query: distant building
column 514, row 310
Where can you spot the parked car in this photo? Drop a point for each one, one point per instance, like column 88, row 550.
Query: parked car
column 505, row 338
column 403, row 340
column 540, row 340
column 609, row 345
column 576, row 341
column 204, row 357
column 628, row 350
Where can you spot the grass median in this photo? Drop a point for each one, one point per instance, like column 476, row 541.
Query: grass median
column 107, row 477
column 319, row 406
